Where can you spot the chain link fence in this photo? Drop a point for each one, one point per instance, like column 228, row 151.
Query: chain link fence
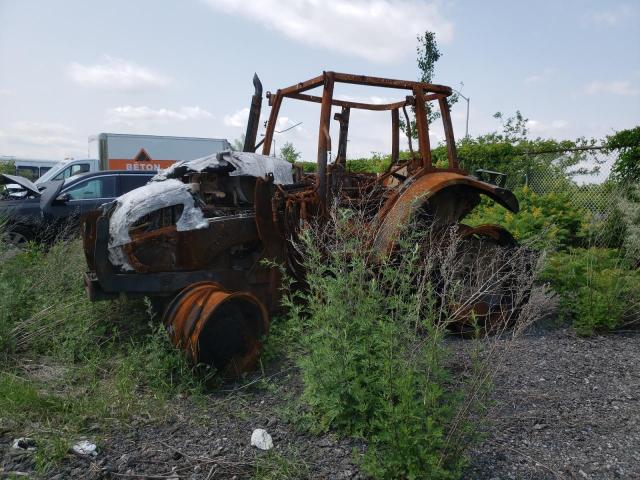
column 584, row 181
column 610, row 210
column 601, row 199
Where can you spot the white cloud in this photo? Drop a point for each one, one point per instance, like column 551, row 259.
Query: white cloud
column 43, row 140
column 117, row 74
column 129, row 115
column 285, row 123
column 377, row 30
column 605, row 18
column 611, row 17
column 237, row 119
column 5, row 92
column 538, row 77
column 539, row 127
column 39, row 128
column 379, row 100
column 374, row 99
column 617, row 87
column 40, row 139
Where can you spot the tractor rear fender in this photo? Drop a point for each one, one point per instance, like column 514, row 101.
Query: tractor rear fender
column 444, row 197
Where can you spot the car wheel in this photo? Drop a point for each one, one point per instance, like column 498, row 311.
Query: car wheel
column 17, row 236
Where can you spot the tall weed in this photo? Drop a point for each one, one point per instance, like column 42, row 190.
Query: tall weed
column 372, row 356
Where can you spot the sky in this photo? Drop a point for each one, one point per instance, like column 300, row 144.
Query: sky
column 74, row 68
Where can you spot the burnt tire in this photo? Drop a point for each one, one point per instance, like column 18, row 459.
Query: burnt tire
column 477, row 278
column 495, row 271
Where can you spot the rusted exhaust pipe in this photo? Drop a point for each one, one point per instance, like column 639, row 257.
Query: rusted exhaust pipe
column 218, row 328
column 253, row 121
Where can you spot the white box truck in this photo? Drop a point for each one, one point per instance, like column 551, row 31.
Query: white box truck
column 121, row 151
column 118, row 151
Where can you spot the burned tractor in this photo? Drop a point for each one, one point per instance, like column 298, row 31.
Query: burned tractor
column 199, row 233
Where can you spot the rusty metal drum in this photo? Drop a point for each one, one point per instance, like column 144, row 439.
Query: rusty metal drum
column 218, row 328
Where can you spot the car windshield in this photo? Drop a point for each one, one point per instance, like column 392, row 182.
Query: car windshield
column 51, row 173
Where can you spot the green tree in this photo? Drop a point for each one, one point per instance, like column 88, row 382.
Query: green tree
column 510, row 150
column 514, row 128
column 289, row 153
column 238, row 143
column 627, row 143
column 427, row 55
column 8, row 167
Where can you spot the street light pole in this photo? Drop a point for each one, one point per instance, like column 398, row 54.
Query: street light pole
column 466, row 128
column 280, row 131
column 466, row 131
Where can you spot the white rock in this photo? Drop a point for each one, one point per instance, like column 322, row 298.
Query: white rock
column 24, row 443
column 84, row 447
column 261, row 439
column 174, row 475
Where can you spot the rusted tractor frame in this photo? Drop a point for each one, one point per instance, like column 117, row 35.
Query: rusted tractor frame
column 421, row 93
column 222, row 278
column 421, row 180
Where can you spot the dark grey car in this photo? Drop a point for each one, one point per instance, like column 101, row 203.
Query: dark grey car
column 52, row 209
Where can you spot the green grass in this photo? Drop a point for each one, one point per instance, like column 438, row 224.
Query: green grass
column 273, row 465
column 70, row 368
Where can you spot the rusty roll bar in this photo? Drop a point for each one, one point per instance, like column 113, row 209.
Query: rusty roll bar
column 324, row 139
column 349, row 103
column 421, row 93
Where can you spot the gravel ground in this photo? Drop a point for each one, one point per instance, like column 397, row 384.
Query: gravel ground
column 563, row 407
column 209, row 439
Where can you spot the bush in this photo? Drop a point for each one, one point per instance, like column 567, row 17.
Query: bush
column 360, row 374
column 629, row 207
column 372, row 357
column 376, row 164
column 550, row 220
column 518, row 156
column 597, row 290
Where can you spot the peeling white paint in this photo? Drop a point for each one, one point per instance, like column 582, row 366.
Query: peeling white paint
column 240, row 164
column 166, row 189
column 134, row 205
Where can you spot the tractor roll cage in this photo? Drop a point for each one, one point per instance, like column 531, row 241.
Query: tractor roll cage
column 420, row 94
